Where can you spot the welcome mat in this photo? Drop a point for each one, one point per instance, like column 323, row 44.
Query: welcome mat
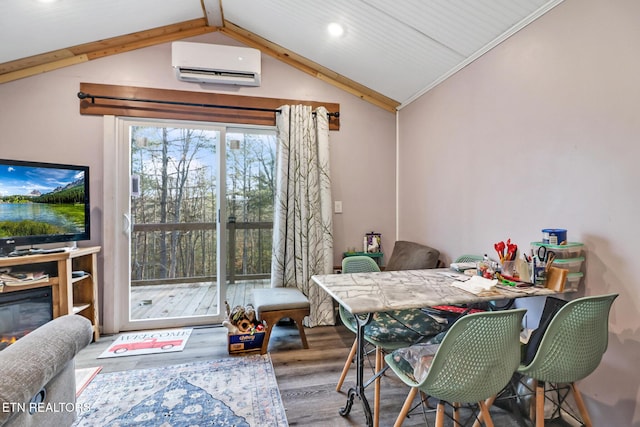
column 148, row 342
column 84, row 377
column 235, row 391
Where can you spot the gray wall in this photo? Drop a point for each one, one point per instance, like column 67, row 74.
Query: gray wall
column 542, row 132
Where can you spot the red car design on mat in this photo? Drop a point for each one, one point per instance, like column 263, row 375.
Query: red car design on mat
column 147, row 343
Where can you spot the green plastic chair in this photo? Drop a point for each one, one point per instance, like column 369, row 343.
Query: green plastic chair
column 475, row 360
column 469, row 258
column 570, row 350
column 387, row 331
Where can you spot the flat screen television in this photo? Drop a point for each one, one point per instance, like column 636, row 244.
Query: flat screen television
column 42, row 203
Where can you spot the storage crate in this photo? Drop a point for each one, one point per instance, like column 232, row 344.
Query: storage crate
column 572, row 264
column 570, row 250
column 572, row 282
column 242, row 343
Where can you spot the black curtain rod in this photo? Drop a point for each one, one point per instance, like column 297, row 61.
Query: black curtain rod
column 83, row 95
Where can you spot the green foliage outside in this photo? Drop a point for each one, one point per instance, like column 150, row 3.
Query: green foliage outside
column 175, row 214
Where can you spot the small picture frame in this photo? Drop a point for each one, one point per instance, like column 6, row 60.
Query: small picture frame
column 374, row 242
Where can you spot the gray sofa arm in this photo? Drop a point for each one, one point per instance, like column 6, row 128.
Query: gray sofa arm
column 35, row 361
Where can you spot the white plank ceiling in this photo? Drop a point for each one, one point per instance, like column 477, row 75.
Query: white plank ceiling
column 399, row 49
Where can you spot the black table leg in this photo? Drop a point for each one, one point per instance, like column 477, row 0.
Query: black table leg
column 358, row 390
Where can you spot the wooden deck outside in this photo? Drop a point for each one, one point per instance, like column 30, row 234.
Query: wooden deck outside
column 188, row 299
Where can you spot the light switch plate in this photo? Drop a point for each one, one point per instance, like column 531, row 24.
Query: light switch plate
column 337, row 206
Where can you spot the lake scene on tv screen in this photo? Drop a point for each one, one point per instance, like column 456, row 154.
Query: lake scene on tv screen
column 40, row 201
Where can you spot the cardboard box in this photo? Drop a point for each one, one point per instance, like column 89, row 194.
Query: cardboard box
column 242, row 343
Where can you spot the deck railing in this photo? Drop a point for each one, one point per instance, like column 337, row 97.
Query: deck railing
column 247, row 243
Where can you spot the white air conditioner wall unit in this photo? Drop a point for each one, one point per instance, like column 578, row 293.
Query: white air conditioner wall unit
column 214, row 63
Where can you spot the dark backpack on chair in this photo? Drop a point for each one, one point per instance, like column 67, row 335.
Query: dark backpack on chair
column 551, row 306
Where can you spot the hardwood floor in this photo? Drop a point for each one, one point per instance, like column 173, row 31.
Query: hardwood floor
column 306, row 378
column 188, row 299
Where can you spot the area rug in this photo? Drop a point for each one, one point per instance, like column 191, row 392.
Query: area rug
column 235, row 391
column 84, row 377
column 147, row 342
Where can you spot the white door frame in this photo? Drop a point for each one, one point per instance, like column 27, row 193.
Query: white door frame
column 116, row 227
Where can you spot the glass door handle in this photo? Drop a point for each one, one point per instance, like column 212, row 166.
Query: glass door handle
column 127, row 224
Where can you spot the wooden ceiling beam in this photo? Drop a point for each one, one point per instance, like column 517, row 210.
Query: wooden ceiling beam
column 146, row 38
column 49, row 61
column 308, row 66
column 37, row 64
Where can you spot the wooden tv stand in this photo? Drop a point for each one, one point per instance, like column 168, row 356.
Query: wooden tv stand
column 71, row 295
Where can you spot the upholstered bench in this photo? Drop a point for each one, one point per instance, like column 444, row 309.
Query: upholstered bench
column 273, row 304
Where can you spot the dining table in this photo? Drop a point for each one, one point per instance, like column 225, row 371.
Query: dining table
column 363, row 294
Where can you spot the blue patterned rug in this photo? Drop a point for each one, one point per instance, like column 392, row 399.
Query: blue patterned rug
column 236, row 391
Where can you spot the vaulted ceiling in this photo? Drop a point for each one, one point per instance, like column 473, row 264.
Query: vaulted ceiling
column 389, row 53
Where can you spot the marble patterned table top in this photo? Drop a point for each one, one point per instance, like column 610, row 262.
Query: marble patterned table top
column 406, row 289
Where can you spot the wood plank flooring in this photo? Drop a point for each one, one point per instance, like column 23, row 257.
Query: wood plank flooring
column 306, row 378
column 188, row 299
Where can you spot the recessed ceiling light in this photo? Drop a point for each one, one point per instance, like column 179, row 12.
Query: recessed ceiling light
column 47, row 1
column 335, row 29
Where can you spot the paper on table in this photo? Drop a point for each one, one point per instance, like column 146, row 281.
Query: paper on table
column 476, row 285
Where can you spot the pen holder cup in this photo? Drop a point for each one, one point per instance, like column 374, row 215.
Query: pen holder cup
column 523, row 269
column 539, row 273
column 509, row 268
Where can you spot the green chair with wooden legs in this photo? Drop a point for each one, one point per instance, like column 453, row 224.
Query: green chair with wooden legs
column 474, row 361
column 387, row 331
column 571, row 348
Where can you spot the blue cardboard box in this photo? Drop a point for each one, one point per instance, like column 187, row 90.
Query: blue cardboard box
column 242, row 343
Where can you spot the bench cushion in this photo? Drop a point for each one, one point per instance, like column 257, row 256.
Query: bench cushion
column 273, row 299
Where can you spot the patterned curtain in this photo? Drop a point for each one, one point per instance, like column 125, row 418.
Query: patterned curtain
column 302, row 224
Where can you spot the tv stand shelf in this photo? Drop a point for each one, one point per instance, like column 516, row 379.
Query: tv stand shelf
column 71, row 295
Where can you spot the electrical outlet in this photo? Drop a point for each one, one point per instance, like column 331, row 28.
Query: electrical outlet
column 337, row 206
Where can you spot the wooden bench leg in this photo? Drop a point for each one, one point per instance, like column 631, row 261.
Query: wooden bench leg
column 299, row 319
column 273, row 317
column 269, row 320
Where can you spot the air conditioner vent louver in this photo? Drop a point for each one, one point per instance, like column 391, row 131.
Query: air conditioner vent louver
column 209, row 63
column 216, row 73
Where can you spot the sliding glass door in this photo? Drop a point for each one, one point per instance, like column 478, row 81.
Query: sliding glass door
column 193, row 243
column 173, row 212
column 250, row 189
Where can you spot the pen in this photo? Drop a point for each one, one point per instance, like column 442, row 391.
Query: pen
column 524, row 284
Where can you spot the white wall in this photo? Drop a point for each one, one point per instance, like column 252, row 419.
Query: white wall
column 40, row 121
column 542, row 132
